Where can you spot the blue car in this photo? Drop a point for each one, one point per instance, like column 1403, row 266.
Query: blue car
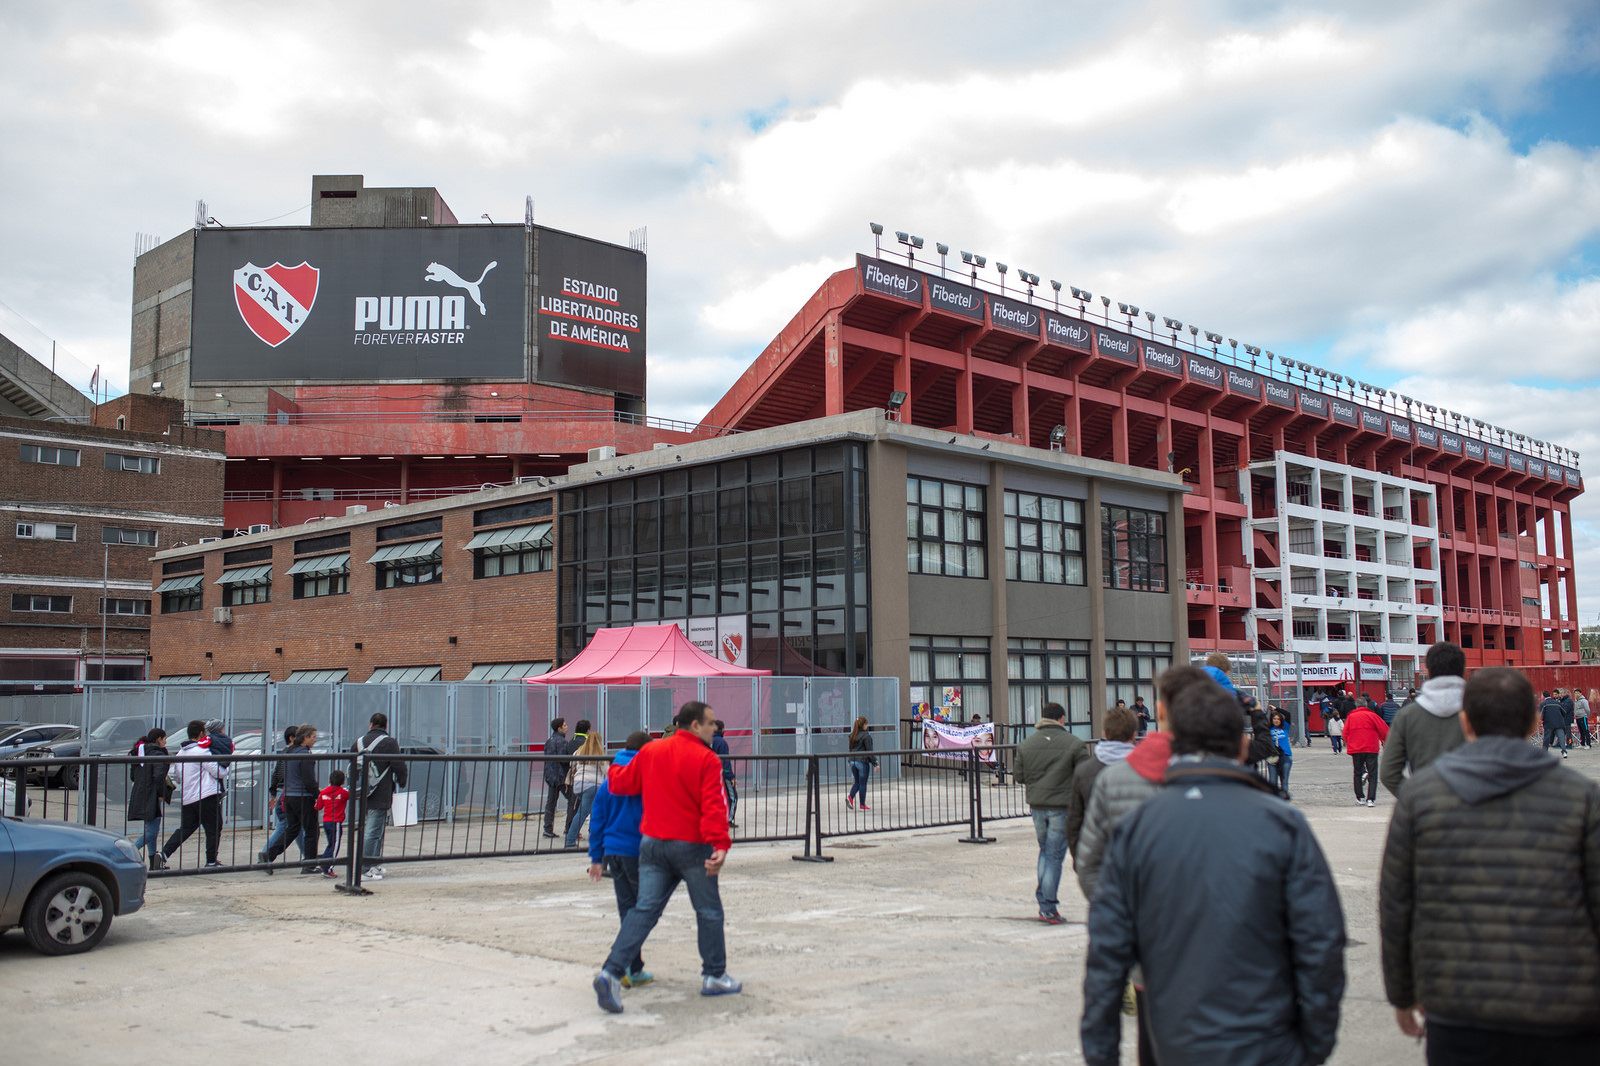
column 62, row 883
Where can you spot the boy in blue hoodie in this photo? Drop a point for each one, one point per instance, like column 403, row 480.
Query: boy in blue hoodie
column 614, row 843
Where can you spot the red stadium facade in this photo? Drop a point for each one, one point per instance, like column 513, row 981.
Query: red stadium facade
column 1010, row 366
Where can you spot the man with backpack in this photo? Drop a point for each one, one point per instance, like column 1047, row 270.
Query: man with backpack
column 381, row 773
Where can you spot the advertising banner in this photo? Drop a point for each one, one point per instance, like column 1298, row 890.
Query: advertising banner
column 1428, row 436
column 955, row 298
column 1517, row 462
column 733, row 641
column 1497, row 456
column 702, row 633
column 590, row 329
column 887, row 279
column 1473, row 449
column 1067, row 332
column 1399, row 428
column 1164, row 360
column 1449, row 442
column 1205, row 372
column 1535, row 466
column 1326, row 673
column 1244, row 383
column 302, row 304
column 1574, row 479
column 1374, row 421
column 1343, row 411
column 1313, row 403
column 942, row 740
column 1014, row 316
column 1114, row 345
column 1278, row 393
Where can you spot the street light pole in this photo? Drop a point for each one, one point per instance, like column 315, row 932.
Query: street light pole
column 105, row 592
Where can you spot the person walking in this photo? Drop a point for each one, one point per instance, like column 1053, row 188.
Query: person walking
column 555, row 775
column 151, row 791
column 1553, row 716
column 331, row 804
column 300, row 790
column 199, row 780
column 614, row 846
column 1388, row 709
column 1335, row 726
column 1285, row 743
column 684, row 839
column 1142, row 713
column 1584, row 705
column 583, row 779
column 1489, row 894
column 1430, row 725
column 730, row 783
column 1115, row 745
column 1364, row 734
column 861, row 763
column 1045, row 764
column 382, row 772
column 1251, row 981
column 275, row 792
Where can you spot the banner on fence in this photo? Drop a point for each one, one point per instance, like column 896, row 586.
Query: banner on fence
column 941, row 740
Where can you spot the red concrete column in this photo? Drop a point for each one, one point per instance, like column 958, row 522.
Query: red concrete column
column 1119, row 435
column 964, row 392
column 902, row 376
column 405, row 480
column 277, row 490
column 1072, row 417
column 1019, row 411
column 832, row 368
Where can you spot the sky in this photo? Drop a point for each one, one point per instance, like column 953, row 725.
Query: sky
column 1409, row 192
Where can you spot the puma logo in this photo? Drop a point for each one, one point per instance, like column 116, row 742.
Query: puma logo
column 440, row 272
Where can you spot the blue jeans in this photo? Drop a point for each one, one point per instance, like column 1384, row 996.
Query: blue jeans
column 330, row 830
column 275, row 844
column 1050, row 826
column 662, row 865
column 585, row 805
column 151, row 838
column 1281, row 771
column 860, row 773
column 625, row 882
column 372, row 830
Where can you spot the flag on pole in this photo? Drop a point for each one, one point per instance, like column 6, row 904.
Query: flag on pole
column 94, row 380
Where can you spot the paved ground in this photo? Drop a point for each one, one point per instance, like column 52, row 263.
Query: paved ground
column 909, row 948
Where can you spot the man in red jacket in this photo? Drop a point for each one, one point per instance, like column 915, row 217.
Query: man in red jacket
column 1364, row 733
column 684, row 837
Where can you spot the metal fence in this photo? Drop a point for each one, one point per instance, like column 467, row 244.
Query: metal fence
column 471, row 806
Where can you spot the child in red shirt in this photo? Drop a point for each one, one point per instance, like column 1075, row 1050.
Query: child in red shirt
column 331, row 802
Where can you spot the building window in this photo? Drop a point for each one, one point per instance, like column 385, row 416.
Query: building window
column 117, row 535
column 117, row 606
column 312, row 586
column 133, row 464
column 944, row 528
column 37, row 453
column 420, row 528
column 1133, row 547
column 514, row 550
column 46, row 531
column 252, row 584
column 951, row 675
column 1044, row 539
column 183, row 600
column 1049, row 671
column 1132, row 668
column 22, row 601
column 419, row 562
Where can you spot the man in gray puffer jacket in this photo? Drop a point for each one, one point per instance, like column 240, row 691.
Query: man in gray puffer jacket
column 1489, row 900
column 1429, row 725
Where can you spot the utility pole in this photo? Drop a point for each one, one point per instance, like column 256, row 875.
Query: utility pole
column 105, row 592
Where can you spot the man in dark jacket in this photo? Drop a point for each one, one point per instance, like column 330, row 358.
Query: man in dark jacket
column 384, row 772
column 1429, row 725
column 1045, row 764
column 555, row 775
column 1252, row 982
column 1489, row 899
column 1116, row 744
column 1553, row 716
column 1388, row 709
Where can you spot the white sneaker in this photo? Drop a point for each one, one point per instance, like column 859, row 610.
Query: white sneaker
column 374, row 874
column 1371, row 803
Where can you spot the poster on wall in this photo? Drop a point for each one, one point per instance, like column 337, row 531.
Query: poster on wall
column 733, row 639
column 950, row 702
column 942, row 740
column 703, row 634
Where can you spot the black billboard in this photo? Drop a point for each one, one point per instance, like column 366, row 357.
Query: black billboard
column 1114, row 345
column 1374, row 420
column 878, row 275
column 590, row 324
column 1163, row 359
column 1066, row 332
column 1205, row 372
column 1314, row 403
column 1279, row 393
column 1399, row 428
column 956, row 298
column 1014, row 316
column 1343, row 411
column 302, row 304
column 1244, row 383
column 1427, row 436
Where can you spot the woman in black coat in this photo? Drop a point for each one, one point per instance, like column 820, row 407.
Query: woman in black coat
column 150, row 793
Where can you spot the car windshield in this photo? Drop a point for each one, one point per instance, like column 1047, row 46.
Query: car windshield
column 107, row 728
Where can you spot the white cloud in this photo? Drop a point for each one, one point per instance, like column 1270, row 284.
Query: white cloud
column 760, row 305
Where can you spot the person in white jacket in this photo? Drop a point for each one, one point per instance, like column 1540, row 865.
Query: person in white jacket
column 199, row 779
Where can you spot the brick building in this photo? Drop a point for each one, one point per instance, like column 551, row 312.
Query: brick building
column 458, row 589
column 86, row 505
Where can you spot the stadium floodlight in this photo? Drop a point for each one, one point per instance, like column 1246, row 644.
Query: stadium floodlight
column 1056, row 285
column 1321, row 373
column 1133, row 310
column 1083, row 296
column 897, row 399
column 1150, row 316
column 1365, row 387
column 1001, row 267
column 1252, row 351
column 1338, row 379
column 876, row 227
column 1172, row 323
column 966, row 257
column 1194, row 330
column 1234, row 345
column 1214, row 338
column 1105, row 301
column 942, row 249
column 1057, row 436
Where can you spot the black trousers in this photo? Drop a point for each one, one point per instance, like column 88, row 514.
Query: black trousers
column 1462, row 1045
column 206, row 815
column 1366, row 761
column 300, row 823
column 551, row 794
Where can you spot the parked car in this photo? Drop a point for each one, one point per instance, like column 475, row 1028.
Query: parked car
column 68, row 745
column 29, row 736
column 116, row 736
column 62, row 883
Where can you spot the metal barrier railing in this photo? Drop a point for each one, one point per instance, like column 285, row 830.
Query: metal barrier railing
column 495, row 806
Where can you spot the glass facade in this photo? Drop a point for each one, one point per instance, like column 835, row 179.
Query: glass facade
column 1133, row 547
column 951, row 675
column 945, row 528
column 1048, row 671
column 771, row 548
column 1044, row 538
column 1132, row 668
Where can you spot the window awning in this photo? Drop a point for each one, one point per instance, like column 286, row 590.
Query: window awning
column 505, row 671
column 259, row 677
column 416, row 549
column 532, row 536
column 392, row 674
column 322, row 564
column 180, row 679
column 181, row 584
column 317, row 677
column 250, row 575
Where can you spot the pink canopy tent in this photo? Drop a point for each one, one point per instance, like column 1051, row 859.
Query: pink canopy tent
column 623, row 656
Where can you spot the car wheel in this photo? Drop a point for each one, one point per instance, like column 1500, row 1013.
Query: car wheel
column 67, row 913
column 67, row 777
